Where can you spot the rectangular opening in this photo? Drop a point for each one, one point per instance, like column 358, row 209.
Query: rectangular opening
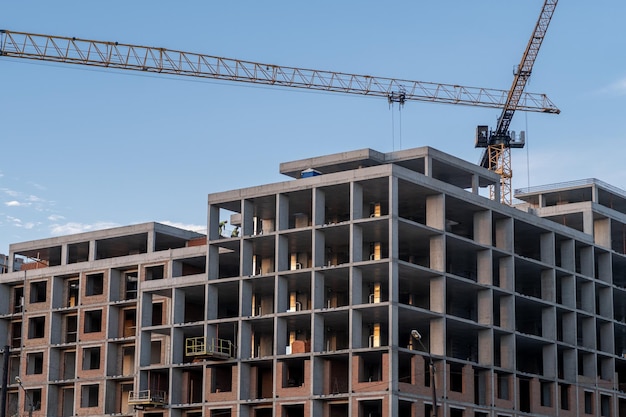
column 128, row 360
column 34, row 363
column 157, row 314
column 89, row 395
column 130, row 285
column 93, row 321
column 91, row 358
column 18, row 299
column 456, row 377
column 73, row 290
column 34, row 395
column 564, row 388
column 38, row 291
column 67, row 405
column 71, row 329
column 503, row 387
column 546, row 394
column 221, row 379
column 588, row 402
column 95, row 284
column 37, row 327
column 155, row 272
column 155, row 352
column 130, row 323
column 16, row 334
column 69, row 365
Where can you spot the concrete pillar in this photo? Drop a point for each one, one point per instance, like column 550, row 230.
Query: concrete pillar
column 436, row 211
column 475, row 183
column 356, row 202
column 282, row 209
column 151, row 241
column 568, row 260
column 547, row 247
column 319, row 207
column 92, row 250
column 602, row 232
column 482, row 227
column 248, row 223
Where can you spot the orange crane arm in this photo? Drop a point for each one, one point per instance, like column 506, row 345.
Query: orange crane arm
column 166, row 61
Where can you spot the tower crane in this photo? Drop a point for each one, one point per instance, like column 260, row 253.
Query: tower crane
column 148, row 59
column 73, row 50
column 498, row 143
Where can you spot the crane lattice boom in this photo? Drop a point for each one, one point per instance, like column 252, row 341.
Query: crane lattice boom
column 167, row 61
column 497, row 156
column 526, row 66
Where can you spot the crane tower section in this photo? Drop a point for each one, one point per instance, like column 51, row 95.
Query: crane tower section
column 497, row 156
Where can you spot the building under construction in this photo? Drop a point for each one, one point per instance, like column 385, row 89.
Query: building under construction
column 330, row 295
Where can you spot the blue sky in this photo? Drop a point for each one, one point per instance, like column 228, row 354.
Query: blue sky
column 86, row 148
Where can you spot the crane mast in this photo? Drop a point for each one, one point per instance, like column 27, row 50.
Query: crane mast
column 497, row 156
column 166, row 61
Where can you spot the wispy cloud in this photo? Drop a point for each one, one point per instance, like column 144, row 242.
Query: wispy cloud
column 15, row 203
column 74, row 227
column 616, row 88
column 10, row 193
column 55, row 217
column 193, row 227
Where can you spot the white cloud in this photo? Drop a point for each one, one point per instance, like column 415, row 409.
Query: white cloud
column 14, row 220
column 10, row 192
column 55, row 217
column 74, row 227
column 15, row 203
column 34, row 199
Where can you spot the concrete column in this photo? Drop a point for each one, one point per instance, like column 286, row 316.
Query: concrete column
column 356, row 243
column 548, row 285
column 438, row 295
column 548, row 323
column 588, row 222
column 504, row 234
column 547, row 247
column 436, row 211
column 247, row 219
column 319, row 207
column 213, row 262
column 475, row 183
column 151, row 241
column 484, row 267
column 438, row 253
column 356, row 329
column 318, row 248
column 428, row 166
column 485, row 347
column 356, row 201
column 178, row 306
column 568, row 260
column 64, row 251
column 485, row 307
column 282, row 253
column 213, row 222
column 507, row 351
column 601, row 232
column 482, row 227
column 549, row 361
column 92, row 250
column 437, row 337
column 282, row 210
